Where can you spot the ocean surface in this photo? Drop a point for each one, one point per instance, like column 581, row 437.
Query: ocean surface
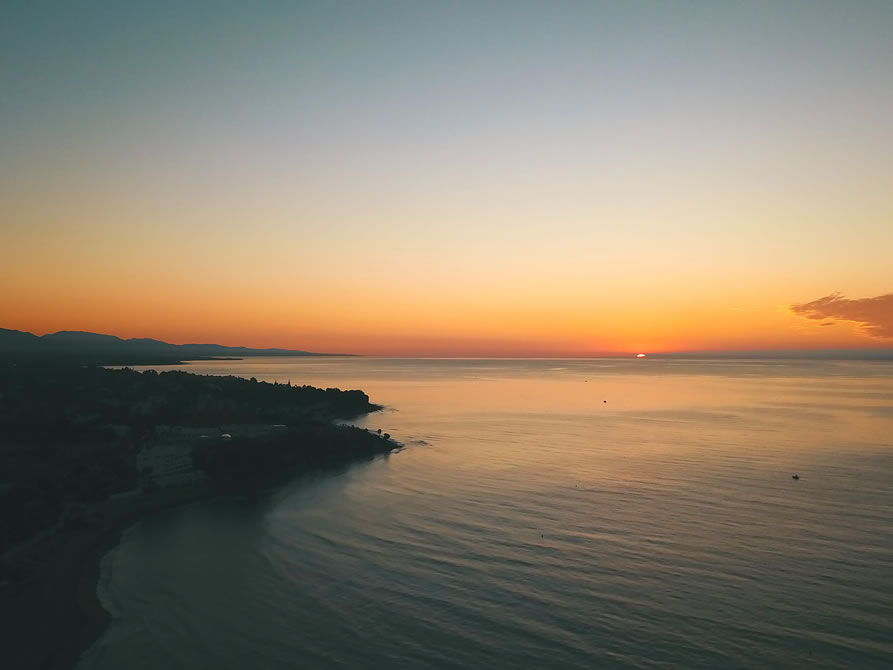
column 543, row 514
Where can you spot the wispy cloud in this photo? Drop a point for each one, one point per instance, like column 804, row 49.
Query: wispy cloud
column 874, row 315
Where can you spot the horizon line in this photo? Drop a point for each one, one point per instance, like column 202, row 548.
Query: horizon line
column 878, row 351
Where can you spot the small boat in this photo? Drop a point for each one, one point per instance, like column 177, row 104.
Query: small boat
column 795, row 476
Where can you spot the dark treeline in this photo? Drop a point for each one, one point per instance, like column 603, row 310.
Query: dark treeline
column 69, row 434
column 73, row 403
column 241, row 463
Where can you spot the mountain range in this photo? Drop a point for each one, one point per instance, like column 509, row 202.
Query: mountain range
column 110, row 350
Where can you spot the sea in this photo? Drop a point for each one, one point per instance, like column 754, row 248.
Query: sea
column 549, row 513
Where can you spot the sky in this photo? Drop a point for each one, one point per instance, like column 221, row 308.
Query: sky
column 450, row 178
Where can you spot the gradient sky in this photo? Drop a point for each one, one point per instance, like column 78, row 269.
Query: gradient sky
column 452, row 178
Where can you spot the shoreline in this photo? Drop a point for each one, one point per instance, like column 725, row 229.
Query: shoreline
column 56, row 615
column 49, row 605
column 96, row 618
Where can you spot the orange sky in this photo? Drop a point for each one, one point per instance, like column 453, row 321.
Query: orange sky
column 403, row 326
column 536, row 182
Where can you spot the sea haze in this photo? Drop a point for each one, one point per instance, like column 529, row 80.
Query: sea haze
column 543, row 513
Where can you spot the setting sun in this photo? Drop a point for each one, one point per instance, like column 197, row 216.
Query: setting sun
column 245, row 244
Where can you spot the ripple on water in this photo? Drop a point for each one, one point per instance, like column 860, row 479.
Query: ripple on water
column 663, row 532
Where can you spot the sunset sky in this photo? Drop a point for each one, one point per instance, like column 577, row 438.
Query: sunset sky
column 453, row 178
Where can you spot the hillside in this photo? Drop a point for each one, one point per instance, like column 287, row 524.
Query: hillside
column 96, row 348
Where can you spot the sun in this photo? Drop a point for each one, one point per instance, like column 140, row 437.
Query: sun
column 640, row 355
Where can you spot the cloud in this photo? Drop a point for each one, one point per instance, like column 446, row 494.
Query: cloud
column 874, row 315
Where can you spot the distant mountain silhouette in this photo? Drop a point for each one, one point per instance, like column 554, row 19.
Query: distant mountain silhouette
column 111, row 350
column 17, row 338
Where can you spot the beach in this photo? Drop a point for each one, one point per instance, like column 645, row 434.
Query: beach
column 52, row 612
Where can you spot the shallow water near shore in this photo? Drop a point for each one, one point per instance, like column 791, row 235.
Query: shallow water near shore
column 543, row 513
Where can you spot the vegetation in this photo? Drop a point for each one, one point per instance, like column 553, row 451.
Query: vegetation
column 241, row 463
column 69, row 435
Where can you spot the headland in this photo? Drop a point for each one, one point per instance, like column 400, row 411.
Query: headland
column 88, row 451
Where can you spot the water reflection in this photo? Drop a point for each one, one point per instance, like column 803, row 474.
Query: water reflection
column 533, row 524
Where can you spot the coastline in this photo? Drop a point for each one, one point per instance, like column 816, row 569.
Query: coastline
column 49, row 605
column 57, row 615
column 95, row 618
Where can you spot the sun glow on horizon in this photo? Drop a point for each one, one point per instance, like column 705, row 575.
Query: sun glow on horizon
column 467, row 181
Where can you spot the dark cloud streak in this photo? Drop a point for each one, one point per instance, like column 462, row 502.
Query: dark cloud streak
column 874, row 315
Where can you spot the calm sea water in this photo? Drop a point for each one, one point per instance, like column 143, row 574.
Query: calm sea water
column 529, row 523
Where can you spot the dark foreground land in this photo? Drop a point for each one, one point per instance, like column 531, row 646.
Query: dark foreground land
column 69, row 483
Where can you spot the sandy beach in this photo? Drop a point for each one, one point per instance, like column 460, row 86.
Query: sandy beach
column 50, row 610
